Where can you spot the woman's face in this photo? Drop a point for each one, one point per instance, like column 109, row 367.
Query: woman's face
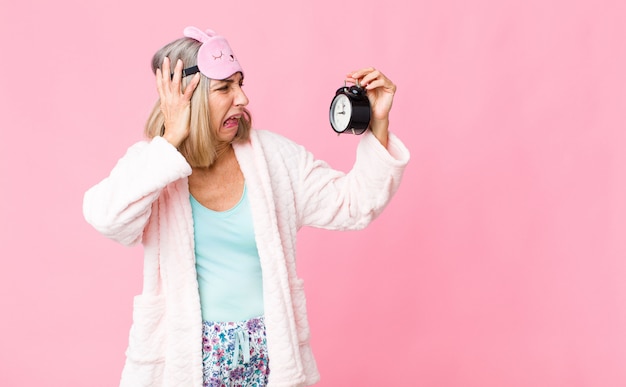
column 226, row 105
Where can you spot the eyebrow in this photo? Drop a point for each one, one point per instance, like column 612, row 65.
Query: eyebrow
column 227, row 80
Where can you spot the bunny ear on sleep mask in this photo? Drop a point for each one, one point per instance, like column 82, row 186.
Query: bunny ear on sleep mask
column 215, row 57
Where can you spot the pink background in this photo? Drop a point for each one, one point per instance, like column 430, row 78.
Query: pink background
column 499, row 263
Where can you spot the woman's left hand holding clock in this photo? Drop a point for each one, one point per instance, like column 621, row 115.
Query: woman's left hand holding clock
column 380, row 92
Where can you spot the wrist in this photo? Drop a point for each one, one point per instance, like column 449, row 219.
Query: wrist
column 380, row 129
column 172, row 140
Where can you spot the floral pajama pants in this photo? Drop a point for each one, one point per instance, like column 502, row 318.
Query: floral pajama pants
column 234, row 354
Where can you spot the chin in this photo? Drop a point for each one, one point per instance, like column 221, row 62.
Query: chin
column 228, row 136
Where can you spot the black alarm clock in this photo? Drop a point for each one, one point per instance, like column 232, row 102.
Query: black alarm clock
column 350, row 110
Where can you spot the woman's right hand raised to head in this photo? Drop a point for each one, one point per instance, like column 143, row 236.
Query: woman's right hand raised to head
column 175, row 104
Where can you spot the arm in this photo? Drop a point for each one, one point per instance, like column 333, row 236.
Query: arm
column 335, row 200
column 120, row 205
column 332, row 199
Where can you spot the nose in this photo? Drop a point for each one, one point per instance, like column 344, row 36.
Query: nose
column 241, row 99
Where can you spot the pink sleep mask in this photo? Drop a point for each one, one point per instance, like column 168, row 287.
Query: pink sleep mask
column 215, row 57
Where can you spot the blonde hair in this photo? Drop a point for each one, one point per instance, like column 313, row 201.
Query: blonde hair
column 199, row 148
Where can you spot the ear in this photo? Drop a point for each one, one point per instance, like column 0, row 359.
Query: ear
column 198, row 34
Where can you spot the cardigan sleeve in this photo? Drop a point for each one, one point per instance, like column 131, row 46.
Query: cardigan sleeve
column 332, row 199
column 120, row 205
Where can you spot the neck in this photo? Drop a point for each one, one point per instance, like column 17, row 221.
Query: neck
column 222, row 150
column 224, row 154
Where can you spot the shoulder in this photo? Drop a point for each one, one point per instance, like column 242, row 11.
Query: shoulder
column 157, row 145
column 138, row 146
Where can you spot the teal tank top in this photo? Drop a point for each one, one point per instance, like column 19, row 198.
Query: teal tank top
column 227, row 262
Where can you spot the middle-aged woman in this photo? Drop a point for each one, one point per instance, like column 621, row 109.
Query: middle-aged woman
column 217, row 206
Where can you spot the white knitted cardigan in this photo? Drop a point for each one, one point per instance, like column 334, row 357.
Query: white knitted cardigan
column 146, row 199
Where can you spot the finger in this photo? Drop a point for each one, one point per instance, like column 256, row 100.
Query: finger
column 383, row 83
column 178, row 75
column 191, row 86
column 364, row 77
column 371, row 77
column 163, row 78
column 165, row 69
column 162, row 82
column 159, row 82
column 357, row 74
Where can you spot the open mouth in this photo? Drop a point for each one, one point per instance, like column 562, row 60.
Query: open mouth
column 231, row 121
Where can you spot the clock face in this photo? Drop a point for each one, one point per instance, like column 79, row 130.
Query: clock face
column 340, row 112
